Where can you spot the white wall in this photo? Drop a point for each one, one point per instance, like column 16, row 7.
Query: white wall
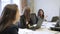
column 18, row 2
column 50, row 7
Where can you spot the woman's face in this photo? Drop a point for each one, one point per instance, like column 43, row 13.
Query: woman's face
column 41, row 12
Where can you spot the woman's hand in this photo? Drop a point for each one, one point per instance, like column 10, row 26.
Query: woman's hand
column 26, row 22
column 29, row 26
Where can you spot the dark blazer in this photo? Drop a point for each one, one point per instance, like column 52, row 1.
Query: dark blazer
column 23, row 22
column 10, row 30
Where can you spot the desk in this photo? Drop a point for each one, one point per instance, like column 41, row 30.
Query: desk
column 42, row 30
column 48, row 24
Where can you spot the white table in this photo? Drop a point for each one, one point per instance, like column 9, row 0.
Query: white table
column 43, row 30
column 48, row 24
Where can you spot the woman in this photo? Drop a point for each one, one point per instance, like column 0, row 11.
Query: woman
column 40, row 19
column 25, row 19
column 41, row 13
column 10, row 16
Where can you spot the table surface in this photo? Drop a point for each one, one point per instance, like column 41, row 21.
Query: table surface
column 42, row 30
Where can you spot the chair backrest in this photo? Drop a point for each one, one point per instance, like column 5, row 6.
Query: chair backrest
column 57, row 24
column 34, row 18
column 54, row 19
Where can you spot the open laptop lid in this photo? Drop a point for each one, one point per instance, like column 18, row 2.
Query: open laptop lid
column 39, row 23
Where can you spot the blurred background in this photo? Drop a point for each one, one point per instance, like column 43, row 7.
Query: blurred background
column 51, row 7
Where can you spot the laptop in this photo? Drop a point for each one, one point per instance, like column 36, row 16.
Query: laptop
column 38, row 25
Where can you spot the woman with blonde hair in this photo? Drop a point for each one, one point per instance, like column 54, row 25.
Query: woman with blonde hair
column 25, row 20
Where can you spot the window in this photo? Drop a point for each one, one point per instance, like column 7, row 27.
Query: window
column 5, row 2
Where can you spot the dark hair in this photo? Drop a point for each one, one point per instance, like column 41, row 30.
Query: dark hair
column 8, row 16
column 39, row 13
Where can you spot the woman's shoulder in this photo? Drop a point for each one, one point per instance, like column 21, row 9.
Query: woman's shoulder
column 13, row 29
column 38, row 17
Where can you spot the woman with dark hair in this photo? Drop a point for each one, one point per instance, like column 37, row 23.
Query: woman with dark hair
column 10, row 16
column 40, row 19
column 41, row 13
column 25, row 19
